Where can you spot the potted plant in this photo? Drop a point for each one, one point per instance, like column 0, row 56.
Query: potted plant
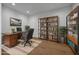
column 63, row 32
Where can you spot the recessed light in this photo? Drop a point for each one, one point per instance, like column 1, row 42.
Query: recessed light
column 13, row 4
column 28, row 12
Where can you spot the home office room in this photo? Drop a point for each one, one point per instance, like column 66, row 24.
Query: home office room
column 40, row 29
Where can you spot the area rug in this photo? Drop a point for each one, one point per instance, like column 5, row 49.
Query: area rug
column 20, row 49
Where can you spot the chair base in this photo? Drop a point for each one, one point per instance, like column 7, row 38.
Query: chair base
column 29, row 42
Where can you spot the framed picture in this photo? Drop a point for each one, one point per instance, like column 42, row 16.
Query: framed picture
column 15, row 22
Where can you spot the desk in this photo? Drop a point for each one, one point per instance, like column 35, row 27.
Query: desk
column 11, row 39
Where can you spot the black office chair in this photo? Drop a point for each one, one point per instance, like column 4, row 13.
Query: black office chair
column 27, row 36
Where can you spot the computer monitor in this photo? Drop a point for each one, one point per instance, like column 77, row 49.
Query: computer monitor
column 27, row 27
column 19, row 29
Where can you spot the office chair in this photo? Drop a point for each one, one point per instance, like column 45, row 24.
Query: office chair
column 27, row 36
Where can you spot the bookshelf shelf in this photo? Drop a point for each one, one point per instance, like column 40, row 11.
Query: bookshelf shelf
column 48, row 28
column 73, row 29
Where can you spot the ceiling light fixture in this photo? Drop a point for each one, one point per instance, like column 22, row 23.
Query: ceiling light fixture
column 13, row 4
column 28, row 12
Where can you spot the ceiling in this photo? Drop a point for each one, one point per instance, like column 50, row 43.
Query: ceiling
column 35, row 8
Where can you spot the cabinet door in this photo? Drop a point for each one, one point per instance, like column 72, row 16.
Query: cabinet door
column 13, row 40
column 7, row 40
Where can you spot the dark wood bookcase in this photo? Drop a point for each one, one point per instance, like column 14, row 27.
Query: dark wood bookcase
column 48, row 28
column 73, row 29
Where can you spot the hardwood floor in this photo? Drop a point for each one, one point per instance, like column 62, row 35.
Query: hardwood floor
column 49, row 48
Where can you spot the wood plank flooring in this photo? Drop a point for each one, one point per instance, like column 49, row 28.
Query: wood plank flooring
column 52, row 48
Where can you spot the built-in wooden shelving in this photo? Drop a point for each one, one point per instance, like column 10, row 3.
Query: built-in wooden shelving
column 73, row 29
column 48, row 28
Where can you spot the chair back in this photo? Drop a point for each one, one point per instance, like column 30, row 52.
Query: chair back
column 30, row 33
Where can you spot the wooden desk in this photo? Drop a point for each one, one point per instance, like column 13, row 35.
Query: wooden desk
column 11, row 39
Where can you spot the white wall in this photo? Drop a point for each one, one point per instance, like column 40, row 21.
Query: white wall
column 32, row 20
column 0, row 28
column 61, row 13
column 6, row 14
